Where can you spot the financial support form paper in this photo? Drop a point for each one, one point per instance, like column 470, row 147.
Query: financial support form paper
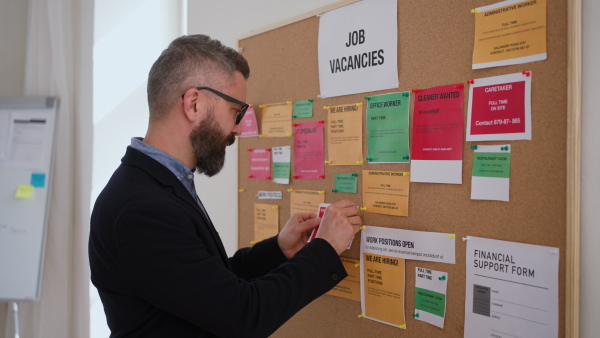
column 512, row 289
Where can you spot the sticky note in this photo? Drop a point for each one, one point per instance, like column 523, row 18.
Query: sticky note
column 25, row 191
column 38, row 180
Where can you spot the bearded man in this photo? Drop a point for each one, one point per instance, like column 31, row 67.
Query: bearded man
column 156, row 259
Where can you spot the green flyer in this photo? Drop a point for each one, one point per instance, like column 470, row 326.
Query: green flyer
column 491, row 164
column 388, row 128
column 430, row 296
column 303, row 108
column 345, row 183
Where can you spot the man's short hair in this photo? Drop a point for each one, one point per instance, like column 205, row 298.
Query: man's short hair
column 190, row 61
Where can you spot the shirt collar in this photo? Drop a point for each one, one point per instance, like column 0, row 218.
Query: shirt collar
column 182, row 172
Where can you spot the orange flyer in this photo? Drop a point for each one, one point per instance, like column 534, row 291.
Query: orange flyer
column 510, row 32
column 386, row 192
column 344, row 134
column 266, row 221
column 277, row 119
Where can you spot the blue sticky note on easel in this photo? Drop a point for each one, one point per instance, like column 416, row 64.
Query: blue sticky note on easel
column 38, row 180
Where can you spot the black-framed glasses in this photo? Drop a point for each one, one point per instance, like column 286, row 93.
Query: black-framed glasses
column 225, row 97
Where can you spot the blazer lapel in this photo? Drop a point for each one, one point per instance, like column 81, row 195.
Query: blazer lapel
column 166, row 177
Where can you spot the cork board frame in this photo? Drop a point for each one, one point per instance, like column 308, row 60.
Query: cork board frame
column 435, row 48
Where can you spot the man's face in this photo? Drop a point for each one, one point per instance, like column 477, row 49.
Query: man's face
column 218, row 130
column 209, row 143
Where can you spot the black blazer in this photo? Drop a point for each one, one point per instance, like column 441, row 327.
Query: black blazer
column 161, row 269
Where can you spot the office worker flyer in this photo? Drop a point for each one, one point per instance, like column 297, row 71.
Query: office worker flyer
column 387, row 128
column 500, row 108
column 510, row 32
column 277, row 119
column 386, row 192
column 511, row 289
column 344, row 134
column 437, row 140
column 382, row 280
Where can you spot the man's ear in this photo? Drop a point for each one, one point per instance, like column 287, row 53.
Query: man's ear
column 193, row 104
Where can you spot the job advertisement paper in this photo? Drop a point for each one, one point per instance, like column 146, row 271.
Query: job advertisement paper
column 512, row 289
column 410, row 244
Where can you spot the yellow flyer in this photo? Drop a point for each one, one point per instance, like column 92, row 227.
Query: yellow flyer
column 382, row 294
column 266, row 221
column 349, row 287
column 510, row 32
column 277, row 119
column 306, row 201
column 344, row 134
column 386, row 192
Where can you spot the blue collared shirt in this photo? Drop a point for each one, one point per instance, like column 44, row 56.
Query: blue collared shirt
column 183, row 173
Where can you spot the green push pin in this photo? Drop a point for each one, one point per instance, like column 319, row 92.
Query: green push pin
column 474, row 147
column 415, row 315
column 334, row 190
column 367, row 98
column 406, row 157
column 406, row 94
column 369, row 159
column 504, row 148
column 294, row 116
column 442, row 278
column 354, row 175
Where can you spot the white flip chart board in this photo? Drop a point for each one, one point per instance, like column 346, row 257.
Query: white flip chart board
column 27, row 133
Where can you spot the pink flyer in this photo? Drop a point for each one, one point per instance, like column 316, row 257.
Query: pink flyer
column 260, row 163
column 309, row 151
column 249, row 125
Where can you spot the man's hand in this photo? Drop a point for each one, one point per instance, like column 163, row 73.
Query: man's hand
column 296, row 232
column 340, row 223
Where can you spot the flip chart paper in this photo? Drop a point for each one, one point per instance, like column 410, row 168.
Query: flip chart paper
column 430, row 296
column 260, row 163
column 281, row 164
column 248, row 123
column 346, row 183
column 511, row 289
column 387, row 128
column 358, row 48
column 305, row 201
column 410, row 244
column 500, row 108
column 385, row 192
column 344, row 134
column 266, row 221
column 509, row 33
column 303, row 108
column 349, row 287
column 26, row 148
column 382, row 281
column 437, row 137
column 277, row 119
column 309, row 152
column 4, row 129
column 491, row 173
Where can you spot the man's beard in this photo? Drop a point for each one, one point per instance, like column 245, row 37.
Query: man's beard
column 209, row 143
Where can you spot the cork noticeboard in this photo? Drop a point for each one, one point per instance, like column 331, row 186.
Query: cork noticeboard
column 435, row 48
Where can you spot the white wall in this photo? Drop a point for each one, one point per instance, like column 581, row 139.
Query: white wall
column 225, row 21
column 128, row 37
column 13, row 42
column 590, row 173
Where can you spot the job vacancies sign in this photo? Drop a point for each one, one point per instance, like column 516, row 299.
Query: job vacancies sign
column 358, row 48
